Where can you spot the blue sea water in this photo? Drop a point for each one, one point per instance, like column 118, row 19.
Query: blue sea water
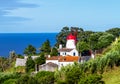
column 19, row 41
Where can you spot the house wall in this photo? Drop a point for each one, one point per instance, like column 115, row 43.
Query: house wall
column 62, row 53
column 71, row 53
column 20, row 62
column 74, row 51
column 64, row 64
column 46, row 67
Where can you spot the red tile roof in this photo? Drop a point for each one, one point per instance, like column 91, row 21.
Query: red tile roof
column 53, row 58
column 64, row 58
column 69, row 59
column 52, row 64
column 65, row 50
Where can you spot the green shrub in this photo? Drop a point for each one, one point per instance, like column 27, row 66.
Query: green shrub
column 45, row 77
column 91, row 79
column 26, row 79
column 7, row 76
column 10, row 81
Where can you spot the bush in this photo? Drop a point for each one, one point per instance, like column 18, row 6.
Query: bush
column 45, row 77
column 7, row 76
column 91, row 79
column 10, row 81
column 26, row 79
column 30, row 65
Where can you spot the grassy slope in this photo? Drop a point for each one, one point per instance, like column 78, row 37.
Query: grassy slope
column 112, row 76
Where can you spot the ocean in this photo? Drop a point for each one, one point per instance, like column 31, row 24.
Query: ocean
column 19, row 41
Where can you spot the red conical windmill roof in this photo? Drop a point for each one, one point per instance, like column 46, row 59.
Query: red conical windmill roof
column 71, row 37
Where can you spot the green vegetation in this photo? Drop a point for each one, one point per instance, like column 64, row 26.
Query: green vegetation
column 45, row 48
column 30, row 65
column 82, row 46
column 45, row 77
column 112, row 76
column 91, row 71
column 30, row 50
column 95, row 40
column 54, row 52
column 104, row 69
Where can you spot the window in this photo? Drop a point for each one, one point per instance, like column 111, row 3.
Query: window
column 58, row 54
column 65, row 53
column 74, row 54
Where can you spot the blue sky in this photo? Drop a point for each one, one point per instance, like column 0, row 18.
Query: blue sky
column 25, row 16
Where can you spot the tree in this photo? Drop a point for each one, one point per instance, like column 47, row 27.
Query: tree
column 46, row 48
column 82, row 46
column 30, row 50
column 4, row 64
column 93, row 40
column 114, row 31
column 12, row 56
column 40, row 60
column 73, row 75
column 54, row 52
column 61, row 37
column 30, row 65
column 105, row 40
column 84, row 36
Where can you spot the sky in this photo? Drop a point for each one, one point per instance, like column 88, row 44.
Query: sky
column 41, row 16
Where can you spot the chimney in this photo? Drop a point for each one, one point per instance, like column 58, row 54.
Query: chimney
column 60, row 46
column 48, row 56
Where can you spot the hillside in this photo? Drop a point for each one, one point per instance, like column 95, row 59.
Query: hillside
column 112, row 76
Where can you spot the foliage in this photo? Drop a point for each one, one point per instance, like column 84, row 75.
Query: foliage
column 7, row 77
column 112, row 76
column 114, row 31
column 105, row 40
column 61, row 37
column 4, row 64
column 91, row 79
column 20, row 69
column 39, row 61
column 54, row 52
column 82, row 46
column 45, row 48
column 20, row 56
column 10, row 81
column 30, row 50
column 12, row 56
column 88, row 72
column 26, row 79
column 30, row 65
column 84, row 35
column 94, row 40
column 73, row 75
column 45, row 77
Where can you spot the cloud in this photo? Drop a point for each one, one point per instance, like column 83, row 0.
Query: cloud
column 8, row 5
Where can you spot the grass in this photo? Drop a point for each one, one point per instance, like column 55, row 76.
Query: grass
column 112, row 76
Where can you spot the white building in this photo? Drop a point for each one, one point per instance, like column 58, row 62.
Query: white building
column 22, row 62
column 62, row 60
column 67, row 55
column 70, row 47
